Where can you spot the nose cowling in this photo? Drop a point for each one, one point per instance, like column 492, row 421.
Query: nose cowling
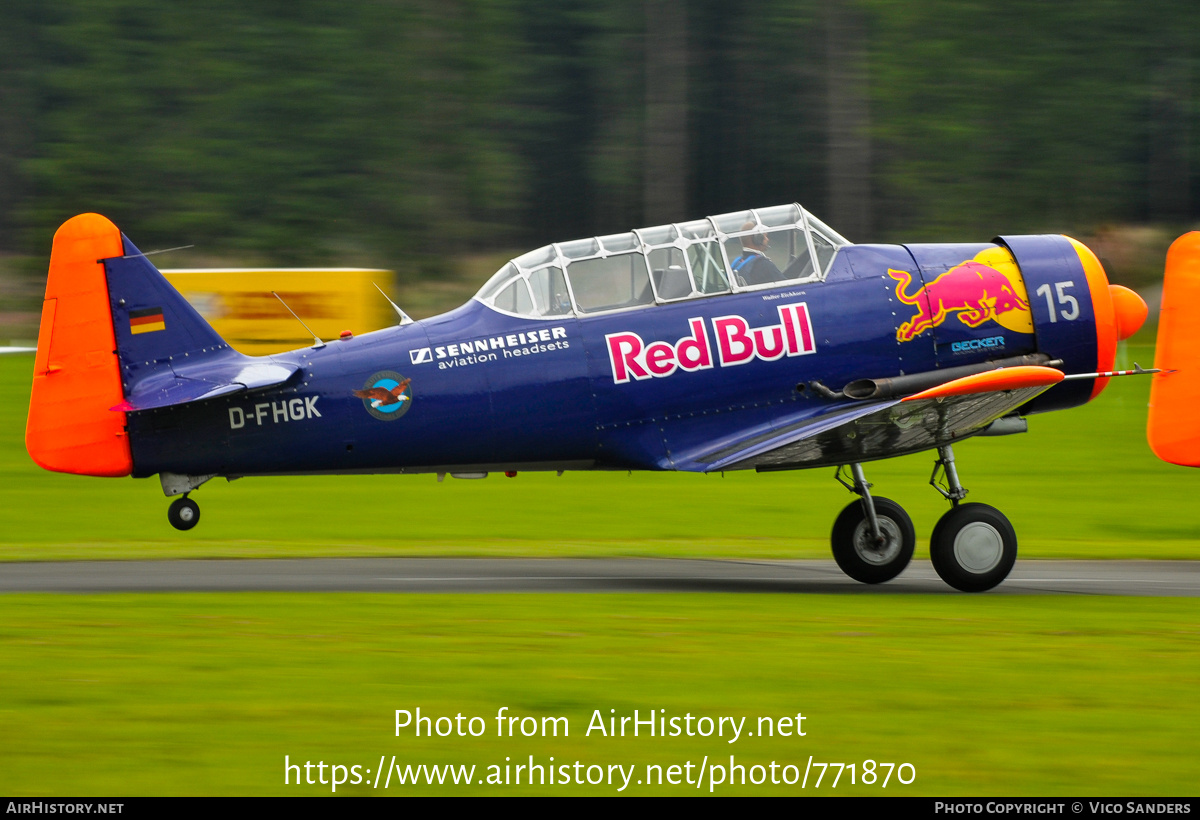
column 1119, row 312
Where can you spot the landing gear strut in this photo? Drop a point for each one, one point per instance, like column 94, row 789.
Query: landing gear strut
column 873, row 538
column 183, row 513
column 973, row 546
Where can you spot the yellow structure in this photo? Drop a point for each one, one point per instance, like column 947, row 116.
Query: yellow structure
column 238, row 303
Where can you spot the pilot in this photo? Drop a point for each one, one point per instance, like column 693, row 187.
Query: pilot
column 754, row 267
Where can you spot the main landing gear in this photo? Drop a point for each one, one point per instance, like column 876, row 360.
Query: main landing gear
column 183, row 513
column 973, row 546
column 873, row 538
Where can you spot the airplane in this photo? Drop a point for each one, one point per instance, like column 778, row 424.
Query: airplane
column 760, row 339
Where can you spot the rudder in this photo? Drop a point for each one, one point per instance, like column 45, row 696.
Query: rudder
column 77, row 376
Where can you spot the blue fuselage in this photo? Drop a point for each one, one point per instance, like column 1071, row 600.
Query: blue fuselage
column 641, row 389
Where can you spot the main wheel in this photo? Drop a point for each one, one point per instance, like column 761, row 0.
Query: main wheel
column 856, row 551
column 973, row 547
column 183, row 513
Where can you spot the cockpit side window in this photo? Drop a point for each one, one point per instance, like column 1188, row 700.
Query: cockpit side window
column 825, row 251
column 550, row 296
column 761, row 256
column 610, row 283
column 669, row 271
column 514, row 298
column 708, row 269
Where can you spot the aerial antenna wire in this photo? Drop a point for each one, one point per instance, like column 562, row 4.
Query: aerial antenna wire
column 161, row 250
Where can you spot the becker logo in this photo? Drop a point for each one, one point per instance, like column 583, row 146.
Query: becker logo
column 736, row 343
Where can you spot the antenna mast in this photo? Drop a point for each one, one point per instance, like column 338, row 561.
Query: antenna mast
column 316, row 338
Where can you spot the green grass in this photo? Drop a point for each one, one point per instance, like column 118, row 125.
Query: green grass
column 1081, row 484
column 206, row 694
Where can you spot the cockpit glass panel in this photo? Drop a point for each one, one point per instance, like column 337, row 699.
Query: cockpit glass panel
column 498, row 280
column 536, row 258
column 778, row 216
column 833, row 236
column 825, row 251
column 610, row 284
column 620, row 242
column 550, row 297
column 697, row 229
column 732, row 223
column 661, row 235
column 708, row 268
column 668, row 269
column 580, row 248
column 762, row 257
column 514, row 298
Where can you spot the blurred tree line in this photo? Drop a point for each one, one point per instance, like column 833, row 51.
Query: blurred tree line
column 397, row 131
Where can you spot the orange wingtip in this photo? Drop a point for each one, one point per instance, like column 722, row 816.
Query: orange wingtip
column 1007, row 378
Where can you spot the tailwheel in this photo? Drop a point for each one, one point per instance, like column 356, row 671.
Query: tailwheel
column 973, row 547
column 183, row 513
column 865, row 556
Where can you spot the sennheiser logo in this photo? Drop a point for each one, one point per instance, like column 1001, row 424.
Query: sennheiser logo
column 421, row 355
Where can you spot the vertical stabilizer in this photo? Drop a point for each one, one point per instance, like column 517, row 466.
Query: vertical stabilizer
column 76, row 377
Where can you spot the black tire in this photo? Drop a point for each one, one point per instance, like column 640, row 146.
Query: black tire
column 183, row 513
column 853, row 547
column 973, row 547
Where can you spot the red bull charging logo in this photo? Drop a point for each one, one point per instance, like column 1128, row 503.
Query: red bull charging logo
column 988, row 287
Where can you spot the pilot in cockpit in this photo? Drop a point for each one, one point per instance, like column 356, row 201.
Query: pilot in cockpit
column 753, row 266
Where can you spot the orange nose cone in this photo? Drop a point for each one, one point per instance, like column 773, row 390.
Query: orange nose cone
column 1130, row 308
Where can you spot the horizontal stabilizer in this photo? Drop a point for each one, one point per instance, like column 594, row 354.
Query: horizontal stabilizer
column 206, row 380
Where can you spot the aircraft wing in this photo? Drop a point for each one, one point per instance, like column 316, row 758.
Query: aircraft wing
column 874, row 430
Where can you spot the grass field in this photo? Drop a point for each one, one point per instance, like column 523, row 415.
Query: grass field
column 206, row 694
column 982, row 695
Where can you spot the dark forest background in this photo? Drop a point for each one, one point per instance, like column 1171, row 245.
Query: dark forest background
column 404, row 134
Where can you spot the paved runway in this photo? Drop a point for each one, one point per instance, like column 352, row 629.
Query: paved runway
column 1149, row 578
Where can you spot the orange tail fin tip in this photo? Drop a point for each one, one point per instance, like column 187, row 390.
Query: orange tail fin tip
column 76, row 374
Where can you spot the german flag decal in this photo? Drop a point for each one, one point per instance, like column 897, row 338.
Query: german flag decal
column 146, row 320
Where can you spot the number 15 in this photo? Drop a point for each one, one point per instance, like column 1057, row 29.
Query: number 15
column 1069, row 304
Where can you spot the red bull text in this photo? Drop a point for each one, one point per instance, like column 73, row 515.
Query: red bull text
column 737, row 343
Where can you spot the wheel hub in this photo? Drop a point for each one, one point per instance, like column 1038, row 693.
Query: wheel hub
column 874, row 553
column 978, row 547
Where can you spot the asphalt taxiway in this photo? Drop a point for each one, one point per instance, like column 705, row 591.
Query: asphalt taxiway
column 1143, row 578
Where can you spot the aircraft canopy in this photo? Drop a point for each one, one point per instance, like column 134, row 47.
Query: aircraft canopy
column 734, row 252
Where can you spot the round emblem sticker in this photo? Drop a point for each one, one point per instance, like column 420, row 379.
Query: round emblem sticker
column 386, row 395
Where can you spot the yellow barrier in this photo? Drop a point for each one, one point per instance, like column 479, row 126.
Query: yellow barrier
column 238, row 303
